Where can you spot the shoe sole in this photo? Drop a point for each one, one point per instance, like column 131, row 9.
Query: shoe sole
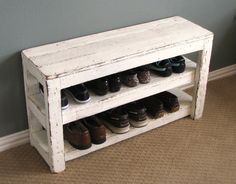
column 79, row 101
column 116, row 129
column 81, row 147
column 139, row 124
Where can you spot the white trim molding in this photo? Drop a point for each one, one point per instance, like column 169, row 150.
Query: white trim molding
column 22, row 137
column 14, row 140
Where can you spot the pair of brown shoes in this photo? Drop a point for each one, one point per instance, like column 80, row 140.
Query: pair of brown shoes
column 131, row 78
column 82, row 133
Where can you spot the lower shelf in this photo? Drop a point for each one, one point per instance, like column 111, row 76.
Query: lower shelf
column 72, row 153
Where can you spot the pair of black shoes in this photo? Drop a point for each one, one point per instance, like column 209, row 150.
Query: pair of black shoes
column 78, row 92
column 166, row 67
column 101, row 86
column 64, row 99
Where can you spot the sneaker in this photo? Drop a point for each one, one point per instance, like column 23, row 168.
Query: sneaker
column 178, row 64
column 64, row 99
column 169, row 100
column 137, row 112
column 79, row 93
column 99, row 86
column 114, row 83
column 96, row 129
column 143, row 74
column 129, row 78
column 162, row 68
column 116, row 120
column 155, row 108
column 77, row 135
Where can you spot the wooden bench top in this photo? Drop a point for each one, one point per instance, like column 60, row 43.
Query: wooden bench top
column 89, row 52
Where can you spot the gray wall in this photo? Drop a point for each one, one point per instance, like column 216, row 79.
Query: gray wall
column 28, row 23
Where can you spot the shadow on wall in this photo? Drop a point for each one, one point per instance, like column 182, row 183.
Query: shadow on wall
column 12, row 97
column 225, row 49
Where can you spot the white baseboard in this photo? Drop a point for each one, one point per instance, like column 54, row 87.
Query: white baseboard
column 14, row 140
column 22, row 137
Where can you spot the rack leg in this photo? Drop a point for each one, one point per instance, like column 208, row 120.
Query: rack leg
column 201, row 79
column 54, row 125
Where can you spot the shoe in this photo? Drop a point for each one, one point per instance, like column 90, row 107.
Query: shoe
column 155, row 107
column 136, row 112
column 79, row 93
column 114, row 83
column 162, row 68
column 96, row 129
column 116, row 120
column 64, row 99
column 143, row 74
column 178, row 64
column 77, row 135
column 99, row 86
column 169, row 100
column 129, row 78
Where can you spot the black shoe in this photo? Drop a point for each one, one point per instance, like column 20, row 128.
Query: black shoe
column 137, row 112
column 162, row 68
column 114, row 82
column 79, row 93
column 99, row 86
column 178, row 64
column 170, row 101
column 116, row 120
column 154, row 106
column 64, row 99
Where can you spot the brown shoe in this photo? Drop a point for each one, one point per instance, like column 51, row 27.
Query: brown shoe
column 170, row 101
column 154, row 107
column 143, row 74
column 77, row 135
column 129, row 78
column 96, row 129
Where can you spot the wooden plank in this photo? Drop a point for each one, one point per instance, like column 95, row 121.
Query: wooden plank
column 185, row 110
column 54, row 126
column 127, row 94
column 201, row 79
column 39, row 140
column 148, row 39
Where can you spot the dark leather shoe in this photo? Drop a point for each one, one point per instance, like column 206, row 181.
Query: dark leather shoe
column 137, row 112
column 178, row 64
column 162, row 68
column 99, row 86
column 114, row 82
column 116, row 120
column 170, row 101
column 155, row 107
column 79, row 93
column 129, row 78
column 96, row 129
column 64, row 99
column 77, row 135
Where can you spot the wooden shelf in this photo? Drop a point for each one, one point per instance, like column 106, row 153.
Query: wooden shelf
column 125, row 95
column 72, row 153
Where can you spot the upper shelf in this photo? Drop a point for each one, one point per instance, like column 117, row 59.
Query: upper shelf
column 117, row 50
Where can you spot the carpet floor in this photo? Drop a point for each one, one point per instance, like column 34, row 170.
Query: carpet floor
column 186, row 151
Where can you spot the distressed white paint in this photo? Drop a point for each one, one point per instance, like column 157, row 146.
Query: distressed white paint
column 63, row 64
column 201, row 79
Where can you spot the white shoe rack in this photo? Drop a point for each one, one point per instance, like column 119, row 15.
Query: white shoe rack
column 60, row 65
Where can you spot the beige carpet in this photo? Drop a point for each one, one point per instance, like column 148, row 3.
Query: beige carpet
column 186, row 151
